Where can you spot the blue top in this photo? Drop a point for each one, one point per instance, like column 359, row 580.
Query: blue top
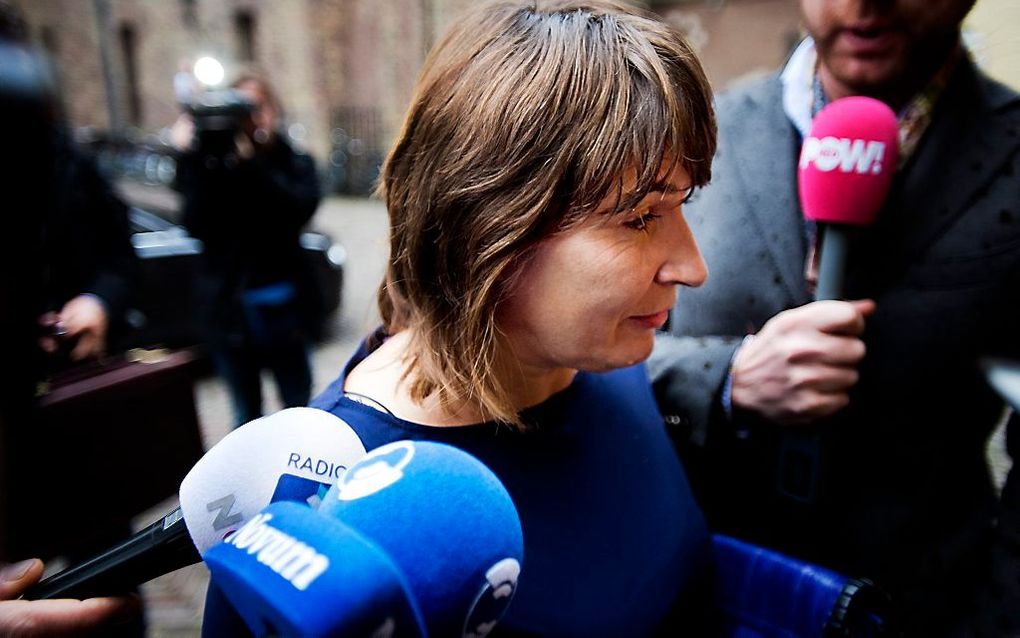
column 612, row 534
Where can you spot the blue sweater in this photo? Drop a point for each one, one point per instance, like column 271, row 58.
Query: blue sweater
column 613, row 537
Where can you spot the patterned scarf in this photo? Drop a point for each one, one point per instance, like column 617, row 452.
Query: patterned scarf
column 803, row 97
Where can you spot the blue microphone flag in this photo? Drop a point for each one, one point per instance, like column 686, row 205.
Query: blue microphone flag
column 290, row 571
column 446, row 521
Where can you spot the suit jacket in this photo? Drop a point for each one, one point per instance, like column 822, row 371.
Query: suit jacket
column 86, row 238
column 901, row 489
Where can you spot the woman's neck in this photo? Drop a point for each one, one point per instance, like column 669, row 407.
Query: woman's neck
column 381, row 376
column 532, row 384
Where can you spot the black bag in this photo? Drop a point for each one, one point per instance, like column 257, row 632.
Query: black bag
column 118, row 436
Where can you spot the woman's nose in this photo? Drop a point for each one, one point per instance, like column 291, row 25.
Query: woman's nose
column 682, row 263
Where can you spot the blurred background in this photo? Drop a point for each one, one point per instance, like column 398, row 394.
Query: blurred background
column 345, row 70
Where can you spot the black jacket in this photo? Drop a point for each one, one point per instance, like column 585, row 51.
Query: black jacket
column 249, row 215
column 902, row 492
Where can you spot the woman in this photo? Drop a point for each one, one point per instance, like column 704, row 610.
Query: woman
column 248, row 204
column 537, row 240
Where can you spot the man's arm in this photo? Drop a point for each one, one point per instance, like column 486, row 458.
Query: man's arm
column 97, row 222
column 116, row 271
column 688, row 374
column 798, row 368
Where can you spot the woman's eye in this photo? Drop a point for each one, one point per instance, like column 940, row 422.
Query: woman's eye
column 642, row 221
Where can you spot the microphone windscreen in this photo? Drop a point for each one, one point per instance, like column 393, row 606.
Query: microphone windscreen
column 292, row 455
column 848, row 161
column 290, row 571
column 448, row 524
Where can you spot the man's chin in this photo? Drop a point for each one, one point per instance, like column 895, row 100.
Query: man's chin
column 871, row 77
column 869, row 69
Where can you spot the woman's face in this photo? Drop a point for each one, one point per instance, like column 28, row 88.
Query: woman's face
column 264, row 117
column 591, row 297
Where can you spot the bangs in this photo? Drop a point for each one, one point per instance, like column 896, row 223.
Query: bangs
column 652, row 104
column 552, row 103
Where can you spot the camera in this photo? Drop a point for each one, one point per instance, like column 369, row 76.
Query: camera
column 28, row 95
column 29, row 109
column 219, row 116
column 25, row 77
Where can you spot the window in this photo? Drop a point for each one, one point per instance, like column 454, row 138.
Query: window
column 189, row 14
column 244, row 27
column 49, row 40
column 129, row 54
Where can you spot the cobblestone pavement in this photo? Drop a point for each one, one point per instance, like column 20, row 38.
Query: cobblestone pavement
column 174, row 602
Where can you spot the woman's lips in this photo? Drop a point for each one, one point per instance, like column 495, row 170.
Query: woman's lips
column 653, row 321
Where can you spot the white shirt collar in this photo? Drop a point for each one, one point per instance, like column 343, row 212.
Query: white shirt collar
column 797, row 80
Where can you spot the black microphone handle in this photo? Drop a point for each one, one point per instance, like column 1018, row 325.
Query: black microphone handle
column 159, row 549
column 800, row 452
column 832, row 262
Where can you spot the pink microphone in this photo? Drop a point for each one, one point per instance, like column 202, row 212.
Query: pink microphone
column 847, row 164
column 846, row 167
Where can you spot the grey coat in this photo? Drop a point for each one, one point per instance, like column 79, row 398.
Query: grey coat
column 902, row 491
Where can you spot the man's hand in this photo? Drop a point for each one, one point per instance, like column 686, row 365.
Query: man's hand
column 84, row 318
column 81, row 321
column 802, row 363
column 52, row 617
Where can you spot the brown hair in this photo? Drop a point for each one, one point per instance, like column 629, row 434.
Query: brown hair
column 265, row 86
column 525, row 117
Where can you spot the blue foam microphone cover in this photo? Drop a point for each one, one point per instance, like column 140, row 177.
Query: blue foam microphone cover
column 290, row 571
column 448, row 524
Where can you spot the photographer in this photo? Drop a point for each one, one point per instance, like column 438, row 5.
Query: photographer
column 247, row 195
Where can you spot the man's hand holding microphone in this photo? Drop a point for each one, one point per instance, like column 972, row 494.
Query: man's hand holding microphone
column 803, row 362
column 801, row 365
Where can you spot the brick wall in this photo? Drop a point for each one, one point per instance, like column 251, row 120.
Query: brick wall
column 352, row 64
column 736, row 39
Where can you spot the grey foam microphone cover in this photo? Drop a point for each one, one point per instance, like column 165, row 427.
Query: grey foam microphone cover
column 294, row 454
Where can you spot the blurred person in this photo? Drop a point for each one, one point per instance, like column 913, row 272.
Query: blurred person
column 247, row 197
column 90, row 267
column 67, row 277
column 77, row 234
column 68, row 282
column 65, row 617
column 900, row 489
